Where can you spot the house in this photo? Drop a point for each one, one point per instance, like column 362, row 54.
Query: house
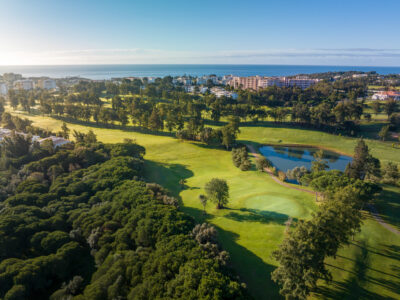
column 386, row 95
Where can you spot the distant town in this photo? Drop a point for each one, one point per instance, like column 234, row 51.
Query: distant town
column 220, row 86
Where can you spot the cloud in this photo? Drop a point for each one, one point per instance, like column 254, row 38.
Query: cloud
column 352, row 56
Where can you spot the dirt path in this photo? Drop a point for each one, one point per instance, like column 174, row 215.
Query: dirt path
column 276, row 179
column 371, row 207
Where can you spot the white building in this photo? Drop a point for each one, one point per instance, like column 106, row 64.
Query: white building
column 386, row 95
column 25, row 84
column 203, row 89
column 57, row 141
column 3, row 88
column 220, row 92
column 47, row 84
column 189, row 88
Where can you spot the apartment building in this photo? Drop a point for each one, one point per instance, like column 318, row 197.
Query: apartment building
column 245, row 82
column 47, row 84
column 257, row 82
column 25, row 84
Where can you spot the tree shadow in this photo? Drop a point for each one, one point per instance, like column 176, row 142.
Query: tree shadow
column 388, row 206
column 351, row 288
column 251, row 269
column 167, row 175
column 256, row 215
column 358, row 285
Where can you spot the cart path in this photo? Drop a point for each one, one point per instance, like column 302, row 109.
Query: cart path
column 371, row 207
column 378, row 218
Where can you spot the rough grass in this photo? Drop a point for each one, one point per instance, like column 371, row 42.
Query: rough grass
column 253, row 224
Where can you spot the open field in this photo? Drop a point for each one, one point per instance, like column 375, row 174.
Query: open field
column 254, row 223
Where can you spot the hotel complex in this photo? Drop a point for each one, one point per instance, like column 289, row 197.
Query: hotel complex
column 258, row 82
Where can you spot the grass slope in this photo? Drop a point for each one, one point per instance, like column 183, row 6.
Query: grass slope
column 254, row 224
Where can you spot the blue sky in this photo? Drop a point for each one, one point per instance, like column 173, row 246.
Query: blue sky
column 352, row 32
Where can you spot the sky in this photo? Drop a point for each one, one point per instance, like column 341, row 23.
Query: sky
column 308, row 32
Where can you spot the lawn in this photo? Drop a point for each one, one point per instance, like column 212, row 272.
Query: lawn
column 253, row 225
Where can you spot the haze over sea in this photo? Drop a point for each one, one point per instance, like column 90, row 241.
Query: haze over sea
column 161, row 70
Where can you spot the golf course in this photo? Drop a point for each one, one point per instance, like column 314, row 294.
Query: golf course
column 260, row 210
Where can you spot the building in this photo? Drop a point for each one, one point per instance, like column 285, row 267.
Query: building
column 3, row 89
column 47, row 84
column 220, row 92
column 189, row 88
column 203, row 89
column 301, row 82
column 257, row 82
column 386, row 95
column 187, row 81
column 57, row 141
column 25, row 84
column 271, row 81
column 245, row 83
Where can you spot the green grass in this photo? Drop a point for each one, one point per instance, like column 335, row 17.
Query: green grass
column 254, row 223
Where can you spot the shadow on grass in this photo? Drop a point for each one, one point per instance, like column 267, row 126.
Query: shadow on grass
column 351, row 288
column 388, row 206
column 355, row 287
column 251, row 269
column 256, row 215
column 167, row 175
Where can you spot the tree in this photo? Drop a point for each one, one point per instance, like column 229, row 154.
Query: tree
column 391, row 174
column 376, row 106
column 155, row 121
column 203, row 201
column 364, row 165
column 390, row 107
column 65, row 130
column 217, row 191
column 384, row 133
column 262, row 162
column 228, row 136
column 319, row 164
column 90, row 137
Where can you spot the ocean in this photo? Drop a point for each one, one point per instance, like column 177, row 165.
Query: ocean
column 112, row 71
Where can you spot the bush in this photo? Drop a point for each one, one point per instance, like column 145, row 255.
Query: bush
column 296, row 173
column 262, row 162
column 281, row 175
column 240, row 158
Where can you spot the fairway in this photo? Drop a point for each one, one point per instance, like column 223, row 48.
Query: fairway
column 254, row 223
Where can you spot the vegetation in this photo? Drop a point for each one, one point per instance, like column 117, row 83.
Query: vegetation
column 95, row 230
column 217, row 191
column 240, row 158
column 260, row 210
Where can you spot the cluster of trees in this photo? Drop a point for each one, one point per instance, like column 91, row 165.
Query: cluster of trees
column 302, row 254
column 82, row 223
column 23, row 125
column 225, row 136
column 240, row 158
column 163, row 105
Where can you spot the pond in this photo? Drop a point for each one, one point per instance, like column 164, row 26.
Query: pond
column 288, row 157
